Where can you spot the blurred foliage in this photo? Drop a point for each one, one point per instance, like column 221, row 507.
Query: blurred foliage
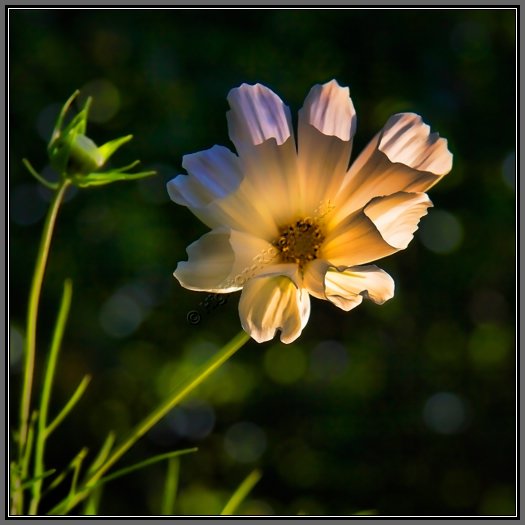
column 402, row 409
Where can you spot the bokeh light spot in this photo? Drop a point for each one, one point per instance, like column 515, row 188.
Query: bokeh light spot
column 499, row 500
column 198, row 500
column 445, row 413
column 489, row 345
column 105, row 100
column 194, row 419
column 245, row 442
column 46, row 120
column 25, row 205
column 441, row 232
column 120, row 315
column 285, row 365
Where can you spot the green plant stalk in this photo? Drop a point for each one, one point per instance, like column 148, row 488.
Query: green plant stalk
column 32, row 312
column 176, row 397
column 240, row 494
column 46, row 394
column 170, row 487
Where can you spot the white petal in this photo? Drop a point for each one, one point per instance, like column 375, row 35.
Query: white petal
column 326, row 127
column 347, row 288
column 223, row 260
column 356, row 240
column 404, row 156
column 329, row 109
column 212, row 174
column 217, row 191
column 397, row 216
column 257, row 115
column 269, row 304
column 260, row 127
column 313, row 277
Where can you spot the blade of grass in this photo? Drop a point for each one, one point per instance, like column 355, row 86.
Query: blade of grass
column 240, row 494
column 145, row 463
column 170, row 487
column 69, row 405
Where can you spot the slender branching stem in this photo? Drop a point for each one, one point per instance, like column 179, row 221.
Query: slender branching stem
column 32, row 312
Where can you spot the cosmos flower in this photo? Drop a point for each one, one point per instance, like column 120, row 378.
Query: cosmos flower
column 291, row 220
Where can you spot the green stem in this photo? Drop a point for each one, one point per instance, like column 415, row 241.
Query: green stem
column 185, row 388
column 240, row 494
column 46, row 394
column 32, row 312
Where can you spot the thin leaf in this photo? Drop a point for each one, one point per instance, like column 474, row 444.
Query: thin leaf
column 68, row 503
column 46, row 474
column 69, row 406
column 142, row 464
column 170, row 487
column 242, row 491
column 75, row 464
column 103, row 454
column 58, row 480
column 38, row 177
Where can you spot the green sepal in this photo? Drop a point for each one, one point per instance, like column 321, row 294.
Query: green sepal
column 107, row 149
column 100, row 179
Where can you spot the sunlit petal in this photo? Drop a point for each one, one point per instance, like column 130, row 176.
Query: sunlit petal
column 212, row 174
column 397, row 216
column 327, row 125
column 404, row 156
column 356, row 240
column 347, row 288
column 223, row 260
column 260, row 127
column 269, row 304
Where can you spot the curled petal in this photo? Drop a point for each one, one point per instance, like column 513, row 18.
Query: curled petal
column 356, row 240
column 347, row 288
column 313, row 277
column 327, row 125
column 221, row 261
column 257, row 115
column 404, row 156
column 217, row 191
column 397, row 216
column 329, row 109
column 274, row 303
column 212, row 174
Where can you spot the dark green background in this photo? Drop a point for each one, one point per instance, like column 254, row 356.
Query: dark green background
column 404, row 409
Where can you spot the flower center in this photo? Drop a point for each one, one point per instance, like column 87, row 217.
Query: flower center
column 300, row 241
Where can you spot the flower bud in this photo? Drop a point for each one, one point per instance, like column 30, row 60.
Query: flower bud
column 84, row 156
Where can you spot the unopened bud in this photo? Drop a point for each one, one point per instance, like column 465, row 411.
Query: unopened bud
column 84, row 156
